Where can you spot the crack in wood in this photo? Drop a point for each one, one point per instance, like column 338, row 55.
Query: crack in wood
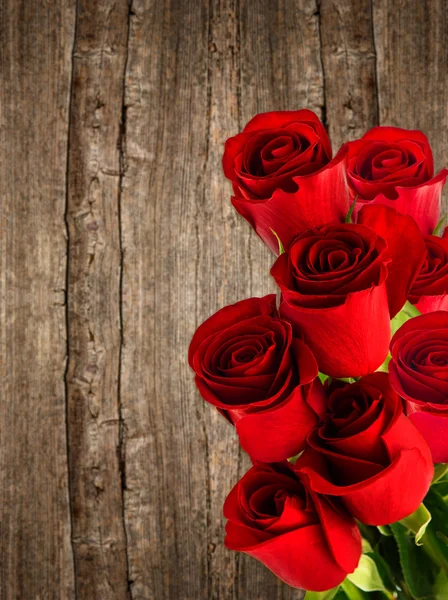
column 67, row 324
column 121, row 420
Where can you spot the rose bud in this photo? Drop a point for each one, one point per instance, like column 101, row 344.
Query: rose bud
column 395, row 167
column 367, row 452
column 418, row 371
column 250, row 365
column 307, row 540
column 335, row 282
column 429, row 291
column 283, row 177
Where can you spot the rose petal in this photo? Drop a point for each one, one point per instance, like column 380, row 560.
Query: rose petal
column 406, row 250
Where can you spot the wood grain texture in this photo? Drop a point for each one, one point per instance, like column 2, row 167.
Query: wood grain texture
column 112, row 482
column 94, row 263
column 349, row 62
column 215, row 66
column 36, row 559
column 411, row 44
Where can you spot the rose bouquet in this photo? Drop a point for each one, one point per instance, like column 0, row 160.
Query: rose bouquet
column 338, row 391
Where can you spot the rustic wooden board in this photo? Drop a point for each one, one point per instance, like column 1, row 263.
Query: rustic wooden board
column 411, row 41
column 94, row 275
column 36, row 558
column 113, row 118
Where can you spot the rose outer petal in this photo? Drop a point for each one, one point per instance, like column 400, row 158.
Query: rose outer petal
column 421, row 202
column 406, row 250
column 276, row 434
column 322, row 199
column 434, row 428
column 300, row 558
column 379, row 500
column 349, row 340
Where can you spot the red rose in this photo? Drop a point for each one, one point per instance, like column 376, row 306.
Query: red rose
column 368, row 453
column 395, row 166
column 334, row 283
column 418, row 371
column 283, row 177
column 430, row 290
column 307, row 540
column 260, row 376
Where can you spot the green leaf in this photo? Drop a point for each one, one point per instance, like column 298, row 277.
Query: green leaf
column 327, row 595
column 384, row 368
column 366, row 547
column 384, row 530
column 348, row 218
column 407, row 312
column 294, row 459
column 439, row 226
column 418, row 522
column 441, row 488
column 366, row 576
column 440, row 471
column 280, row 245
column 351, row 591
column 384, row 570
column 441, row 586
column 438, row 529
column 323, row 378
column 417, row 567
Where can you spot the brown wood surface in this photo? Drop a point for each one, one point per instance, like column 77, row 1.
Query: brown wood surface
column 118, row 239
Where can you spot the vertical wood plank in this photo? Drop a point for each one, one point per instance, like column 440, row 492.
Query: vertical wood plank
column 411, row 38
column 94, row 299
column 36, row 559
column 196, row 73
column 349, row 63
column 281, row 69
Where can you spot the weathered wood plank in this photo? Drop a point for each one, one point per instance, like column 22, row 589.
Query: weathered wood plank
column 281, row 69
column 164, row 210
column 195, row 74
column 411, row 39
column 36, row 559
column 93, row 299
column 349, row 63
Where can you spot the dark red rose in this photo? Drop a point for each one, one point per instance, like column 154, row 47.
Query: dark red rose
column 418, row 371
column 395, row 167
column 335, row 281
column 283, row 177
column 429, row 291
column 250, row 365
column 307, row 540
column 368, row 453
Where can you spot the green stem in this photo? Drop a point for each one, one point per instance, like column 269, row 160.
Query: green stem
column 431, row 545
column 351, row 591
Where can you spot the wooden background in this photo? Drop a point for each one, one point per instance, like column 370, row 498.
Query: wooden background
column 118, row 239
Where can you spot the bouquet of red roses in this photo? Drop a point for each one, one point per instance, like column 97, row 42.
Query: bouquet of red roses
column 339, row 391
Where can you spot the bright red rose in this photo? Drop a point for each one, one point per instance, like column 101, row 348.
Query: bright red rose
column 283, row 177
column 307, row 540
column 340, row 283
column 368, row 453
column 429, row 291
column 395, row 167
column 333, row 289
column 418, row 371
column 250, row 365
column 405, row 253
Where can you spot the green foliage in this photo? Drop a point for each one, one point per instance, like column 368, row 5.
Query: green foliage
column 366, row 576
column 280, row 245
column 417, row 568
column 418, row 522
column 328, row 595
